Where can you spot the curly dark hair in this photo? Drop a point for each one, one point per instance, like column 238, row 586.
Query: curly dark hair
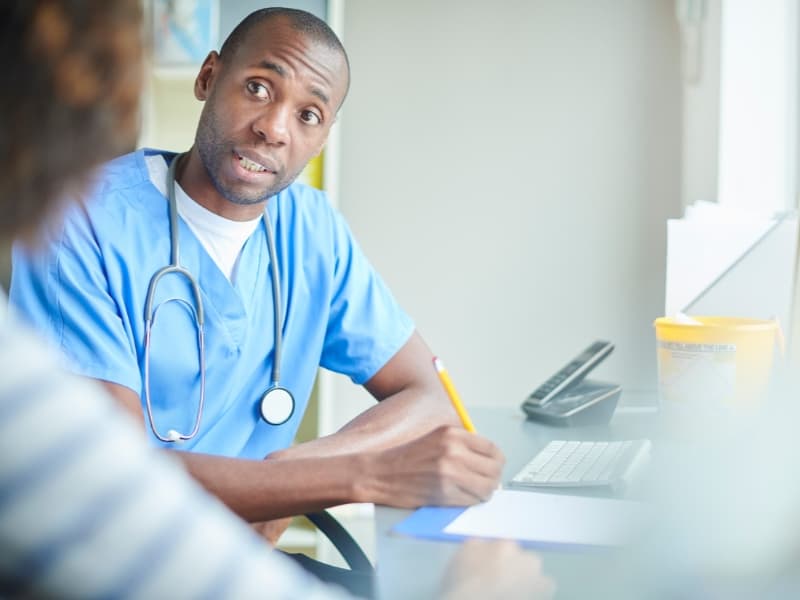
column 72, row 74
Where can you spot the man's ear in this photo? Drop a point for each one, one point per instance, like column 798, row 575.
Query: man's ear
column 205, row 78
column 324, row 141
column 321, row 147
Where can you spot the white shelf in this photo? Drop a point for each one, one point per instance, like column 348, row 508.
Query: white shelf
column 175, row 72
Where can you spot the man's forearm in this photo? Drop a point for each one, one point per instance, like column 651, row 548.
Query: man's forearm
column 446, row 466
column 403, row 417
column 270, row 489
column 341, row 468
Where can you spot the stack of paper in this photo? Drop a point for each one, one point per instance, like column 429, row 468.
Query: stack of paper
column 730, row 262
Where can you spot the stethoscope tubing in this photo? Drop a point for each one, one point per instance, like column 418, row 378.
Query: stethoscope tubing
column 199, row 317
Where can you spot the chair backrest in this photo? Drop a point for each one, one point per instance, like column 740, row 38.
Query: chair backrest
column 351, row 552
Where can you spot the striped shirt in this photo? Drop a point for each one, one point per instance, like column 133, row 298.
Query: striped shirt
column 88, row 510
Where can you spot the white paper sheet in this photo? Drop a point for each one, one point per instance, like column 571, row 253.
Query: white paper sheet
column 699, row 252
column 726, row 262
column 552, row 519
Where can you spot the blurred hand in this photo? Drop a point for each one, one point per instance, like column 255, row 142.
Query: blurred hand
column 448, row 466
column 496, row 569
column 272, row 530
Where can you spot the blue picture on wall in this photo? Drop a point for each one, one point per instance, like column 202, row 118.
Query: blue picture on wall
column 184, row 31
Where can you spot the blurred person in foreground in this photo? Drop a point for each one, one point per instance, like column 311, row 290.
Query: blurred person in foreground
column 87, row 509
column 727, row 498
column 723, row 503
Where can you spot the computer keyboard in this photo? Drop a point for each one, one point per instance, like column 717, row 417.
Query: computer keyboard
column 584, row 464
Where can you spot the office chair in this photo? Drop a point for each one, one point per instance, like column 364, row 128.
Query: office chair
column 344, row 543
column 359, row 579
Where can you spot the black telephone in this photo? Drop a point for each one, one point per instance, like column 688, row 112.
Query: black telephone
column 566, row 398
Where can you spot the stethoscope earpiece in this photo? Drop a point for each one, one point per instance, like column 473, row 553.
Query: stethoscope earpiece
column 277, row 403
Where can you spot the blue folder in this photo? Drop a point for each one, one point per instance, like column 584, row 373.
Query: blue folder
column 429, row 522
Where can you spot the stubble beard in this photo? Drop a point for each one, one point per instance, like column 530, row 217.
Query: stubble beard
column 214, row 150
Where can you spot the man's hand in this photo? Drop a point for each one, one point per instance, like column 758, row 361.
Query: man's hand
column 272, row 530
column 448, row 466
column 483, row 569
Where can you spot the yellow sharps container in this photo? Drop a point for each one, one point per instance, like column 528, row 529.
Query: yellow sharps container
column 718, row 361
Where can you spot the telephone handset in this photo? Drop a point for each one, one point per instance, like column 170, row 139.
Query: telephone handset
column 566, row 398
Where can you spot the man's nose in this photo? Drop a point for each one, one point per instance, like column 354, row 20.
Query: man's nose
column 272, row 125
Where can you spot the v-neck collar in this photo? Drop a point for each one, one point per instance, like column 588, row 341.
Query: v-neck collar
column 230, row 301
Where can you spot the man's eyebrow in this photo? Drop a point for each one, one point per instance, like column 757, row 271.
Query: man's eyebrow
column 281, row 72
column 321, row 95
column 265, row 64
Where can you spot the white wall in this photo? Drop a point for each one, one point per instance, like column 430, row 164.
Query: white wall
column 508, row 167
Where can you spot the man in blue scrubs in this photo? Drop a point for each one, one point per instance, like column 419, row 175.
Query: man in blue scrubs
column 271, row 96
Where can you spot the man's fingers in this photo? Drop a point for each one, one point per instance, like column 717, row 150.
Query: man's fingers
column 463, row 488
column 474, row 441
column 477, row 455
column 448, row 466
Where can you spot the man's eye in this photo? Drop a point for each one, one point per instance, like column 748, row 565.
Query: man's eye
column 258, row 89
column 310, row 117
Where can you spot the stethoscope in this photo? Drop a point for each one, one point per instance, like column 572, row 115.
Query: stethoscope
column 277, row 403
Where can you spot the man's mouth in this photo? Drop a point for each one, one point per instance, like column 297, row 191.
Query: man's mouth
column 252, row 166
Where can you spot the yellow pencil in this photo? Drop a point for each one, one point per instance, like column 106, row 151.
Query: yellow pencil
column 453, row 395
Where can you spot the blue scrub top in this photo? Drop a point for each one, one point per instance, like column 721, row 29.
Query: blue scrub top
column 86, row 288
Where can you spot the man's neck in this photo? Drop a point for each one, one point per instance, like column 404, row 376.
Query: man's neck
column 195, row 181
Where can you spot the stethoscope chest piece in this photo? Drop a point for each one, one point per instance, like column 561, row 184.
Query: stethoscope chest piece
column 277, row 405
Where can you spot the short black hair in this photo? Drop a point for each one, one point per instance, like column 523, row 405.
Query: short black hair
column 300, row 20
